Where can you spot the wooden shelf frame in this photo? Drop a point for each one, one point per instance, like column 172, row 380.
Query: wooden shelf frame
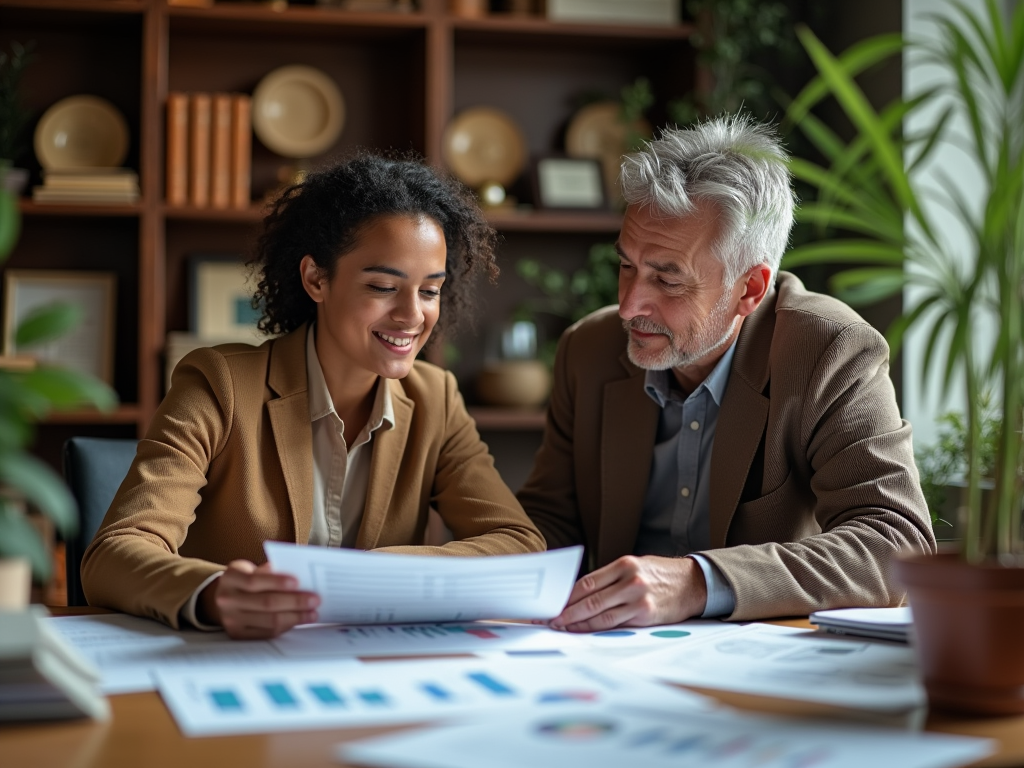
column 437, row 37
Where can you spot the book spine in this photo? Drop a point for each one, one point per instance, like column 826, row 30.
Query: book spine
column 199, row 150
column 241, row 150
column 177, row 149
column 220, row 152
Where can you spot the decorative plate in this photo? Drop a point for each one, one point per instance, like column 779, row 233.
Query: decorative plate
column 81, row 132
column 483, row 145
column 597, row 131
column 298, row 111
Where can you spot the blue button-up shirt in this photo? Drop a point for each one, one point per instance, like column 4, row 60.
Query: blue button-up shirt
column 676, row 516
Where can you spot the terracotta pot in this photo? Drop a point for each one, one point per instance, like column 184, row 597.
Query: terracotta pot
column 968, row 623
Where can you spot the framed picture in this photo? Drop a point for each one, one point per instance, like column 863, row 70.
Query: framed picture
column 220, row 299
column 89, row 347
column 568, row 183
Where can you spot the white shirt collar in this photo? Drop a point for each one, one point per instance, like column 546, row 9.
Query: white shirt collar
column 320, row 402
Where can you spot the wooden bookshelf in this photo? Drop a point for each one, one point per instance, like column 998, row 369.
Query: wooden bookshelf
column 403, row 76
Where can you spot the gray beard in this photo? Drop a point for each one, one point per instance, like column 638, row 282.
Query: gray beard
column 703, row 343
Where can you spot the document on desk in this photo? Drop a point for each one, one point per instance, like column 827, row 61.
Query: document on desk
column 300, row 695
column 380, row 588
column 126, row 649
column 611, row 736
column 791, row 663
column 332, row 640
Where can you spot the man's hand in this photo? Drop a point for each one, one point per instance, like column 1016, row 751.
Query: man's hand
column 255, row 603
column 635, row 592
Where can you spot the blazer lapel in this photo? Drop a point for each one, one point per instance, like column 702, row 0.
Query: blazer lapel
column 388, row 450
column 742, row 418
column 629, row 427
column 289, row 420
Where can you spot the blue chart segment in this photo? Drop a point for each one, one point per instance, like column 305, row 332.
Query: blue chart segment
column 325, row 694
column 436, row 692
column 280, row 695
column 226, row 701
column 490, row 684
column 374, row 698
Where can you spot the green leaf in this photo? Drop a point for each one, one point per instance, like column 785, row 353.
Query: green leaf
column 899, row 327
column 42, row 488
column 19, row 539
column 65, row 388
column 10, row 222
column 843, row 251
column 861, row 287
column 47, row 323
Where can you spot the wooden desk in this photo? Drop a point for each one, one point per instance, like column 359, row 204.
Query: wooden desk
column 142, row 734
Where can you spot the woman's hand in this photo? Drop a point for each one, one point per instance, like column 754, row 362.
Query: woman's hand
column 254, row 603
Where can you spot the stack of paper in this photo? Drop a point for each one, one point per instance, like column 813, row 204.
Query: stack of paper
column 89, row 185
column 882, row 623
column 41, row 676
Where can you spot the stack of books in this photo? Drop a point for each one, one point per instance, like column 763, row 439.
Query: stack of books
column 209, row 150
column 41, row 676
column 88, row 185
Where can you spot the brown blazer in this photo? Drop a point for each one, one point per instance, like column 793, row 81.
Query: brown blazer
column 228, row 464
column 813, row 482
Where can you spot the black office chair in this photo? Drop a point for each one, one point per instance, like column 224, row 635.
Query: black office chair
column 93, row 468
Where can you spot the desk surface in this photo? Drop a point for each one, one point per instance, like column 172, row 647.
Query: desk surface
column 142, row 733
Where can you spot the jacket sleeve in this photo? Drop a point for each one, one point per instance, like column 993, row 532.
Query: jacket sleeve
column 133, row 563
column 468, row 493
column 549, row 494
column 868, row 500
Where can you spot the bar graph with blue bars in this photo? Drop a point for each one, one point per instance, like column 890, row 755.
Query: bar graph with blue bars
column 490, row 684
column 227, row 701
column 374, row 698
column 325, row 694
column 436, row 692
column 280, row 695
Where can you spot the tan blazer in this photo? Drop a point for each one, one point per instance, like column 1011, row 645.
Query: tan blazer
column 813, row 482
column 228, row 464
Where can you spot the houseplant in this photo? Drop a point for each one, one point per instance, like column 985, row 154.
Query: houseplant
column 968, row 610
column 28, row 392
column 14, row 117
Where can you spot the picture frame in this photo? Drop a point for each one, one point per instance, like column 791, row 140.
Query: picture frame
column 568, row 183
column 89, row 347
column 220, row 299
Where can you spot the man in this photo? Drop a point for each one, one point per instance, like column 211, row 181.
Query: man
column 724, row 442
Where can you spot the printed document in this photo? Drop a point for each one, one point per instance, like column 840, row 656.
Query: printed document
column 358, row 587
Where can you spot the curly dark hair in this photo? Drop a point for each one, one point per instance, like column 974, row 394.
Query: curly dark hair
column 324, row 215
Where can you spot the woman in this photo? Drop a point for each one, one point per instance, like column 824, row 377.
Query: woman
column 331, row 433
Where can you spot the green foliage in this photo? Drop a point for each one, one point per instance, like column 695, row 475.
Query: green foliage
column 944, row 462
column 571, row 297
column 731, row 35
column 14, row 116
column 27, row 396
column 868, row 188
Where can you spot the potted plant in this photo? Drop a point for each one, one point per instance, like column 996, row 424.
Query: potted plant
column 14, row 116
column 28, row 392
column 968, row 607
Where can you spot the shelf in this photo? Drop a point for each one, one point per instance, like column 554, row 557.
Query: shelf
column 508, row 419
column 605, row 222
column 84, row 6
column 119, row 210
column 262, row 18
column 525, row 28
column 252, row 213
column 124, row 414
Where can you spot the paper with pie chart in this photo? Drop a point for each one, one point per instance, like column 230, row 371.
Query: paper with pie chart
column 301, row 695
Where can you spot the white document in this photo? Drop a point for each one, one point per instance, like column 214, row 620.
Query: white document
column 333, row 640
column 126, row 649
column 615, row 737
column 883, row 623
column 794, row 663
column 380, row 588
column 303, row 694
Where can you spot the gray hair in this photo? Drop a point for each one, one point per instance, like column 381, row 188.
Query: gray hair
column 735, row 163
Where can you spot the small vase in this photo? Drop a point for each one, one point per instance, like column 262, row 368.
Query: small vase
column 968, row 625
column 514, row 383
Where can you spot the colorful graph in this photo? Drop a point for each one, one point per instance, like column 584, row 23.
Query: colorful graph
column 576, row 730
